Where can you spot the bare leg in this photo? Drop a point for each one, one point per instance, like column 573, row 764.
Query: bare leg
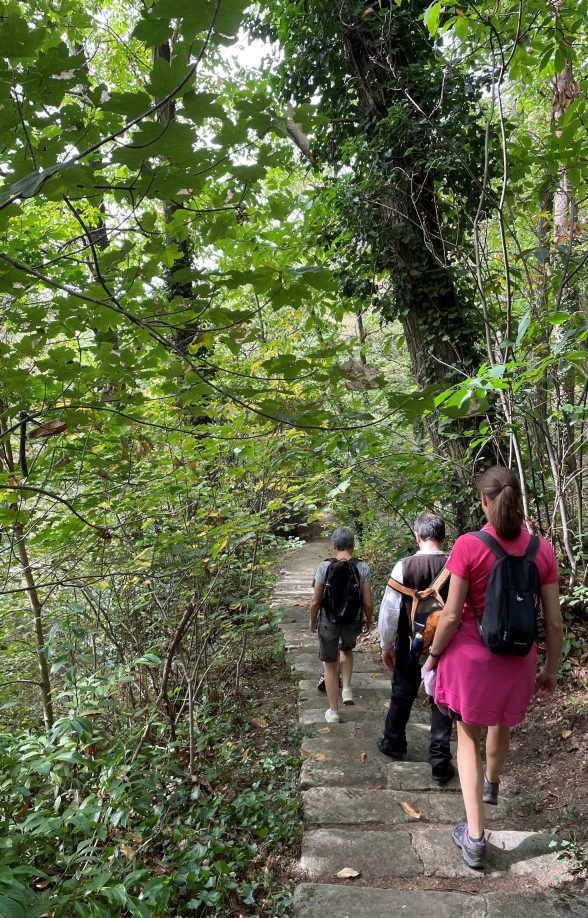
column 346, row 666
column 469, row 764
column 332, row 684
column 497, row 743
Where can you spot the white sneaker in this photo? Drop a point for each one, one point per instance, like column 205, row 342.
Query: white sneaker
column 331, row 717
column 347, row 695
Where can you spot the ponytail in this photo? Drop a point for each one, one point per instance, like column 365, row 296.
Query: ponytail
column 505, row 501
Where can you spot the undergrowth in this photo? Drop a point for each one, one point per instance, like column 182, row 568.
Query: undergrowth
column 87, row 832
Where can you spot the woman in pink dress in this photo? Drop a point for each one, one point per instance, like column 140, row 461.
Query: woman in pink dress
column 480, row 688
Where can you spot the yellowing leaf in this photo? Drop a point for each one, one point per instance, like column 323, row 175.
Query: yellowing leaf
column 259, row 721
column 128, row 851
column 566, row 734
column 348, row 873
column 323, row 757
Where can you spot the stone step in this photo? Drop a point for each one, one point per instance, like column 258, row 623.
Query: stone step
column 364, row 742
column 370, row 698
column 360, row 680
column 427, row 852
column 358, row 805
column 310, row 717
column 375, row 771
column 345, row 901
column 308, row 664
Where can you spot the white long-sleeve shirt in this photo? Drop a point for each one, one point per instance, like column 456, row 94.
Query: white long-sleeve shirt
column 391, row 605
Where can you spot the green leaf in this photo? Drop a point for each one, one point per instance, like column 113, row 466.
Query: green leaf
column 10, row 908
column 129, row 104
column 152, row 30
column 28, row 186
column 557, row 318
column 461, row 28
column 432, row 16
column 167, row 76
column 198, row 106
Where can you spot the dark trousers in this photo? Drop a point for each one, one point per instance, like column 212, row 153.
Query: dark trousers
column 406, row 680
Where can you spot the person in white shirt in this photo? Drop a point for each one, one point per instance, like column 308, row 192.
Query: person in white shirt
column 417, row 571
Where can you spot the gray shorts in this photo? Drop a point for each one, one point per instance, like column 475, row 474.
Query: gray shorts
column 335, row 637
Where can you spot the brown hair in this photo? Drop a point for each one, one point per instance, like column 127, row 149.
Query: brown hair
column 503, row 491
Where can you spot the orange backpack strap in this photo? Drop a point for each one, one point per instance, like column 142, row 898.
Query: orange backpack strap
column 440, row 579
column 400, row 588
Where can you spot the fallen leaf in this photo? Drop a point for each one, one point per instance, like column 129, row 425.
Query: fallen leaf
column 414, row 814
column 377, row 787
column 566, row 734
column 362, row 757
column 259, row 721
column 348, row 873
column 324, row 730
column 322, row 757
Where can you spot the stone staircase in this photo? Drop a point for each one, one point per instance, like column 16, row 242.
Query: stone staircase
column 387, row 820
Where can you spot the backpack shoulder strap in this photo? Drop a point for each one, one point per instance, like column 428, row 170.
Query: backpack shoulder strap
column 491, row 543
column 354, row 565
column 400, row 588
column 532, row 548
column 440, row 579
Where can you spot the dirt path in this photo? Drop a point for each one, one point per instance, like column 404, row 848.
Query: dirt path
column 388, row 820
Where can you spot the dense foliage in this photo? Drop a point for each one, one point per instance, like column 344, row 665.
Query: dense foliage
column 233, row 296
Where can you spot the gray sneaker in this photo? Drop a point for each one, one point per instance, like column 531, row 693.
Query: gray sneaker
column 490, row 792
column 472, row 851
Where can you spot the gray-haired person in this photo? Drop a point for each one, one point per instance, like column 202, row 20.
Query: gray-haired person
column 342, row 605
column 416, row 571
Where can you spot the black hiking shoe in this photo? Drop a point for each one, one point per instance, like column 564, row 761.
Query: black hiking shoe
column 444, row 775
column 321, row 687
column 386, row 749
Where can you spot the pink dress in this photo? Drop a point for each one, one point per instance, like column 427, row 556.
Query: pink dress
column 482, row 687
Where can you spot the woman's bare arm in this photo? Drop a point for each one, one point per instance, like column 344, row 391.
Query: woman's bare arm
column 450, row 618
column 547, row 677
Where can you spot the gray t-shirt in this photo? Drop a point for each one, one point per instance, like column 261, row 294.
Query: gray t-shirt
column 362, row 569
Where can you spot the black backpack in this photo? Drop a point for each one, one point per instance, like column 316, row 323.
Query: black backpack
column 509, row 623
column 341, row 600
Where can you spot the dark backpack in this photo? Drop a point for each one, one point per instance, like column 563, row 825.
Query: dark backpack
column 508, row 625
column 341, row 600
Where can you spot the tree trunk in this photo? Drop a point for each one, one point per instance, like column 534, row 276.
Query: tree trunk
column 37, row 610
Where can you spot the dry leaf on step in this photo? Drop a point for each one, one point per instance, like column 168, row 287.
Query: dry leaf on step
column 377, row 787
column 322, row 757
column 362, row 757
column 408, row 809
column 348, row 873
column 324, row 730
